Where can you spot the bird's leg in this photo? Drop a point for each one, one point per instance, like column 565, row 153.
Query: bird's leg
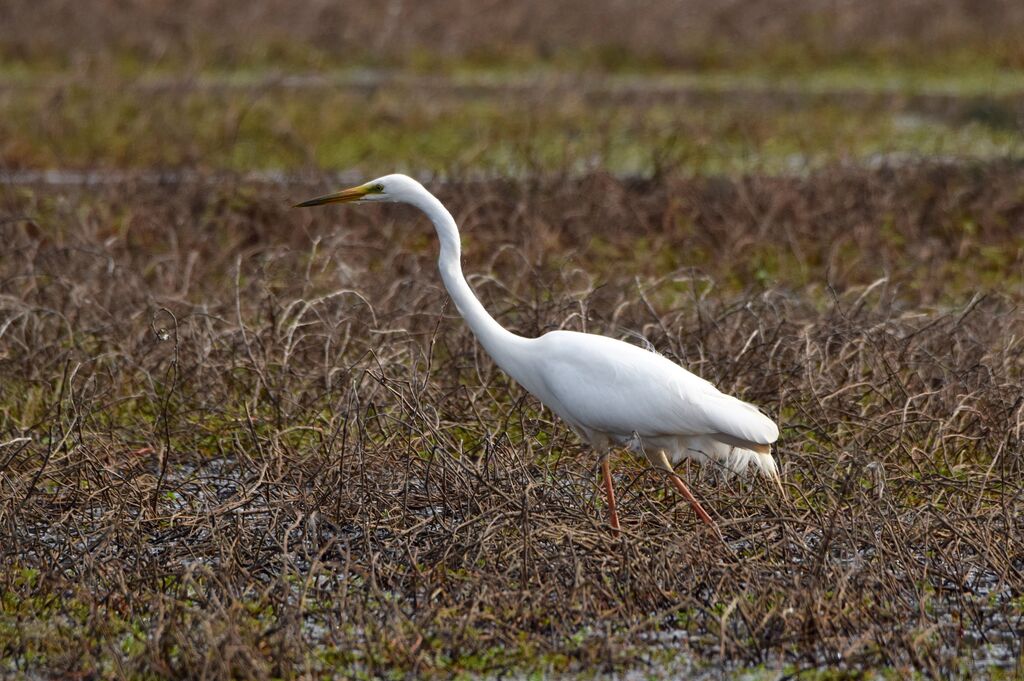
column 661, row 461
column 610, row 492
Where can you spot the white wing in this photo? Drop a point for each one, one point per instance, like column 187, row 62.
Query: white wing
column 609, row 386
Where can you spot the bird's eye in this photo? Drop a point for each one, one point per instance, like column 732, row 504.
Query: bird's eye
column 378, row 188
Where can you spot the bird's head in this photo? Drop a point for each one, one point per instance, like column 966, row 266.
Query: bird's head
column 389, row 189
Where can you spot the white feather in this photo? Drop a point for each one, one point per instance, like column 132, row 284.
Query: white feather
column 606, row 388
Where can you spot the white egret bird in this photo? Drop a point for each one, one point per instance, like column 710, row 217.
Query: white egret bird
column 610, row 392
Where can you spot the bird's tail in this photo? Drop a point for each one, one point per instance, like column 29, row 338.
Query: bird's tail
column 736, row 460
column 739, row 460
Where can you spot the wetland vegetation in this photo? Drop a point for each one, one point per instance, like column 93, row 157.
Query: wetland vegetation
column 242, row 440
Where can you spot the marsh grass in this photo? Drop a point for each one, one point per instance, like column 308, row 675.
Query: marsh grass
column 610, row 36
column 238, row 439
column 709, row 124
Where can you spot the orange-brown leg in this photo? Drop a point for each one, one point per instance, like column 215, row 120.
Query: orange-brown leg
column 677, row 482
column 610, row 492
column 685, row 491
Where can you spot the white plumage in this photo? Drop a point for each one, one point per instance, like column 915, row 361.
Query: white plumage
column 612, row 393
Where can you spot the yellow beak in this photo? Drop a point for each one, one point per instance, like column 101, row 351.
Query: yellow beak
column 344, row 196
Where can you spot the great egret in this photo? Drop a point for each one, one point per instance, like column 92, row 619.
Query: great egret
column 610, row 392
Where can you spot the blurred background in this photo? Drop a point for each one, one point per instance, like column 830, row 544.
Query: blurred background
column 506, row 87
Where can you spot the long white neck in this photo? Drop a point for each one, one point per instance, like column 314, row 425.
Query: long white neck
column 499, row 343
